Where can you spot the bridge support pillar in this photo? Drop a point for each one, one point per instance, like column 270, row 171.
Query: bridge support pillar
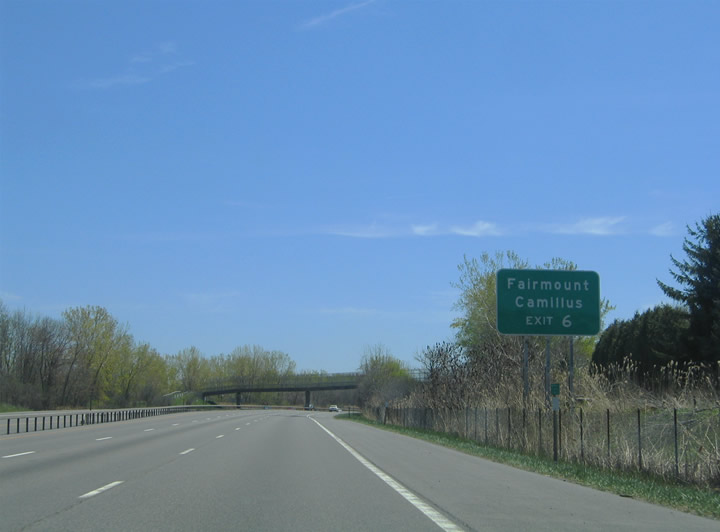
column 307, row 398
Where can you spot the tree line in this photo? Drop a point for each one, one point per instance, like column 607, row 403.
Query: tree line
column 87, row 359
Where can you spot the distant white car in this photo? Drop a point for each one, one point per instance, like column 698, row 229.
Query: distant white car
column 334, row 408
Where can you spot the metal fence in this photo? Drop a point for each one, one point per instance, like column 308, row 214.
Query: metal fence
column 682, row 443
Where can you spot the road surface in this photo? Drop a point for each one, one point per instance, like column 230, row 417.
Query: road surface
column 282, row 470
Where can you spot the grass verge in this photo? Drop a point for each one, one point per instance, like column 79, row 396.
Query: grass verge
column 5, row 408
column 704, row 502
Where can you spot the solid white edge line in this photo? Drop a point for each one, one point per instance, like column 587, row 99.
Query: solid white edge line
column 100, row 490
column 431, row 513
column 187, row 451
column 19, row 454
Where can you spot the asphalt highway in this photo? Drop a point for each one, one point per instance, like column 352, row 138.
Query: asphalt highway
column 283, row 470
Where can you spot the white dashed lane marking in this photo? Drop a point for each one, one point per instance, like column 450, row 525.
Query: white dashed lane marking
column 100, row 490
column 18, row 454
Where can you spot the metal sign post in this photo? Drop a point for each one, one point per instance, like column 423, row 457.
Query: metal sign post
column 555, row 391
column 548, row 303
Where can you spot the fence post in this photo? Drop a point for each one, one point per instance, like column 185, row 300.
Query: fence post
column 509, row 444
column 640, row 464
column 560, row 432
column 540, row 445
column 486, row 426
column 677, row 466
column 497, row 426
column 608, row 433
column 582, row 442
column 555, row 435
column 475, row 423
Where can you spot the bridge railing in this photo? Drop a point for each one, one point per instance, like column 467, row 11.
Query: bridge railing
column 284, row 381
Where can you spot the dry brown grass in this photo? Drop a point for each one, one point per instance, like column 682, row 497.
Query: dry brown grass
column 669, row 427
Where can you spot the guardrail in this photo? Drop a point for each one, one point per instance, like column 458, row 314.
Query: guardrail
column 34, row 423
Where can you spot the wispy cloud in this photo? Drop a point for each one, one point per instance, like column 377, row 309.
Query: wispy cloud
column 589, row 226
column 141, row 68
column 478, row 229
column 367, row 231
column 425, row 230
column 597, row 226
column 664, row 229
column 323, row 19
column 379, row 230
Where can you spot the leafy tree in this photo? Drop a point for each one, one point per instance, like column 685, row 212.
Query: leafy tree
column 699, row 278
column 132, row 374
column 385, row 379
column 95, row 339
column 191, row 369
column 450, row 376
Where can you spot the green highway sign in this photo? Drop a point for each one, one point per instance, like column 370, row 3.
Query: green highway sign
column 548, row 302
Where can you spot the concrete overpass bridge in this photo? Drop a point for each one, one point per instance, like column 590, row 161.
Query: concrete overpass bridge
column 291, row 383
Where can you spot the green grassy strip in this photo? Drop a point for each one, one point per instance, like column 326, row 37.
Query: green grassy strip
column 4, row 408
column 704, row 502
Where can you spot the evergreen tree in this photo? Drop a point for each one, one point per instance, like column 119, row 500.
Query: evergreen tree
column 699, row 277
column 650, row 340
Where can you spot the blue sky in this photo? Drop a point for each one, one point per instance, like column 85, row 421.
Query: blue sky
column 307, row 176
